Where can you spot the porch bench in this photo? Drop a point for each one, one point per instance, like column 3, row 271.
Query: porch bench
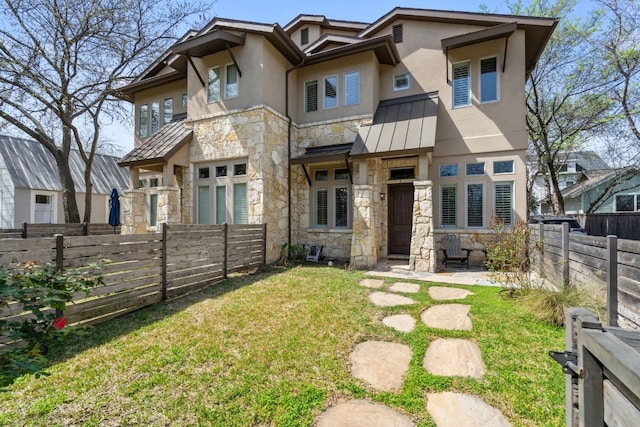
column 453, row 250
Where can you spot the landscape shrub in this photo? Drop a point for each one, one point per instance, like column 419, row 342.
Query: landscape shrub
column 508, row 254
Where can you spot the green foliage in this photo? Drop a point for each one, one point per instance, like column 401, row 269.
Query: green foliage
column 40, row 294
column 549, row 305
column 508, row 252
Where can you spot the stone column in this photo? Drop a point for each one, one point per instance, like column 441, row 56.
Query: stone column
column 132, row 208
column 169, row 210
column 364, row 241
column 423, row 255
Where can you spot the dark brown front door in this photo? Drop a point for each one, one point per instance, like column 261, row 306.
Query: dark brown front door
column 400, row 218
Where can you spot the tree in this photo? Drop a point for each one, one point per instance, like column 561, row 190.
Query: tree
column 60, row 61
column 566, row 97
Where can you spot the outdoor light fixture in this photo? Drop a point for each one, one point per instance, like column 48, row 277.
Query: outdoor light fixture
column 382, row 196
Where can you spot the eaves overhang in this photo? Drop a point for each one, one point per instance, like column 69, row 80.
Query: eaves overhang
column 209, row 43
column 126, row 92
column 488, row 34
column 383, row 47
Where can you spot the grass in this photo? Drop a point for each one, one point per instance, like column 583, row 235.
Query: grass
column 272, row 350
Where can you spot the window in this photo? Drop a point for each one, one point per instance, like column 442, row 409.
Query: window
column 153, row 210
column 304, row 36
column 240, row 169
column 352, row 88
column 155, row 117
column 213, row 85
column 184, row 100
column 331, row 92
column 475, row 169
column 448, row 205
column 489, row 79
column 311, row 96
column 142, row 183
column 503, row 201
column 475, row 206
column 448, row 170
column 627, row 203
column 240, row 203
column 221, row 204
column 397, row 33
column 153, row 182
column 331, row 198
column 203, row 205
column 401, row 81
column 143, row 120
column 404, row 173
column 505, row 166
column 231, row 86
column 222, row 197
column 461, row 84
column 221, row 171
column 43, row 210
column 167, row 112
column 203, row 173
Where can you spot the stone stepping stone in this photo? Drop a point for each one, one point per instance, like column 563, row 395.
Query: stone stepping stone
column 408, row 288
column 372, row 283
column 442, row 293
column 360, row 413
column 386, row 299
column 455, row 409
column 454, row 358
column 400, row 322
column 382, row 365
column 448, row 316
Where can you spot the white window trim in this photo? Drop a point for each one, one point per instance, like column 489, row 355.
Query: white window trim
column 213, row 182
column 449, row 176
column 493, row 164
column 470, row 94
column 324, row 92
column 635, row 202
column 466, row 205
column 54, row 205
column 497, row 80
column 400, row 88
column 330, row 185
column 226, row 82
column 484, row 169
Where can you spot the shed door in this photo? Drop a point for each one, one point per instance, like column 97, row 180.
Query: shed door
column 400, row 218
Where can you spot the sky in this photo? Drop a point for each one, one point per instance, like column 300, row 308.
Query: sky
column 284, row 11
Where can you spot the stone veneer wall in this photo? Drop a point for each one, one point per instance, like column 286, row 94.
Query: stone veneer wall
column 260, row 135
column 364, row 244
column 132, row 208
column 169, row 210
column 422, row 256
column 471, row 239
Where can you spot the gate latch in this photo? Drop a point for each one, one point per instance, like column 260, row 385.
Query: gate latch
column 568, row 360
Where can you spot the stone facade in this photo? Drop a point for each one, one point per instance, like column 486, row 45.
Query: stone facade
column 133, row 212
column 364, row 243
column 422, row 257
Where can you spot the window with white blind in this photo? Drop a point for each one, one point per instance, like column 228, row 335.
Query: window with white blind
column 167, row 111
column 330, row 92
column 461, row 84
column 449, row 205
column 475, row 205
column 143, row 121
column 352, row 88
column 155, row 117
column 503, row 201
column 311, row 96
column 489, row 79
column 331, row 198
column 222, row 193
column 231, row 81
column 213, row 85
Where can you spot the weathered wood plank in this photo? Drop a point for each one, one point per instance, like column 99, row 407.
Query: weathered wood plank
column 618, row 410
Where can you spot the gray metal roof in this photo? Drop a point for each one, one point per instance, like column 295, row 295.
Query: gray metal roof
column 161, row 146
column 400, row 126
column 31, row 165
column 326, row 153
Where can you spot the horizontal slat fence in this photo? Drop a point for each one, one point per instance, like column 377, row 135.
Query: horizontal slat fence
column 604, row 264
column 625, row 225
column 48, row 230
column 141, row 269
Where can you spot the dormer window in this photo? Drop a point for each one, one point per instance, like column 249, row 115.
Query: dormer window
column 397, row 33
column 304, row 36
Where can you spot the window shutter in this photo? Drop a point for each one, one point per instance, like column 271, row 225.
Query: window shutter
column 449, row 201
column 240, row 203
column 352, row 88
column 504, row 202
column 311, row 96
column 221, row 204
column 461, row 85
column 489, row 80
column 322, row 207
column 397, row 33
column 474, row 205
column 203, row 205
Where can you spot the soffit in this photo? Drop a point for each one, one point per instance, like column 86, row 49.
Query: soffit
column 160, row 147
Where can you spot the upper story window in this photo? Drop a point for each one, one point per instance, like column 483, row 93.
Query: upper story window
column 231, row 78
column 311, row 96
column 167, row 112
column 475, row 169
column 627, row 202
column 401, row 81
column 155, row 117
column 304, row 36
column 143, row 120
column 397, row 33
column 461, row 84
column 213, row 85
column 489, row 79
column 503, row 166
column 331, row 92
column 184, row 100
column 352, row 88
column 449, row 170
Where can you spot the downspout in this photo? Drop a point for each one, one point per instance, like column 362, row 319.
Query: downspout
column 289, row 147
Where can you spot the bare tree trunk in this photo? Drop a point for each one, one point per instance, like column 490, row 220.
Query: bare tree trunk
column 71, row 214
column 87, row 194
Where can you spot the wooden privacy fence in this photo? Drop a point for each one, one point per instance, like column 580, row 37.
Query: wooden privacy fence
column 607, row 264
column 603, row 372
column 625, row 225
column 48, row 230
column 142, row 268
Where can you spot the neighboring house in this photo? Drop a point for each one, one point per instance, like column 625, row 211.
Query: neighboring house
column 604, row 191
column 30, row 189
column 370, row 139
column 571, row 172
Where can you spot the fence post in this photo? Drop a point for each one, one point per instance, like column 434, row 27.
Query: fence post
column 85, row 229
column 226, row 250
column 565, row 254
column 24, row 230
column 571, row 346
column 264, row 244
column 59, row 261
column 164, row 261
column 541, row 245
column 612, row 280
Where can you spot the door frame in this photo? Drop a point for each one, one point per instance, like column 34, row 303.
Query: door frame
column 390, row 206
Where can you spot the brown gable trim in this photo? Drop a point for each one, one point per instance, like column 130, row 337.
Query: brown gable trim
column 323, row 22
column 491, row 33
column 329, row 39
column 126, row 92
column 383, row 47
column 206, row 44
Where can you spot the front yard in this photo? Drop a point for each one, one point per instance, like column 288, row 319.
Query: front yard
column 273, row 349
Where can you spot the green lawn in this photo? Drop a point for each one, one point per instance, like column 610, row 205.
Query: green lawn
column 272, row 349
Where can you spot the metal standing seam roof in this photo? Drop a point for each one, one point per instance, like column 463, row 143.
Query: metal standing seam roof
column 402, row 125
column 30, row 165
column 161, row 146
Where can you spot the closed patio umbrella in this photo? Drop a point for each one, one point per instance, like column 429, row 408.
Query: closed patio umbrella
column 114, row 209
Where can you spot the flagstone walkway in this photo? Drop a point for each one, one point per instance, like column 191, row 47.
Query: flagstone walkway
column 383, row 366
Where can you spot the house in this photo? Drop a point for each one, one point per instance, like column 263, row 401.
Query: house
column 371, row 139
column 572, row 171
column 604, row 191
column 30, row 189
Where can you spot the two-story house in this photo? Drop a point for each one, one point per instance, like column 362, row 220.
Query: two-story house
column 370, row 139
